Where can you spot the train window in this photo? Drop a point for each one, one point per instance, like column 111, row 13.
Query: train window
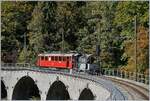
column 42, row 57
column 52, row 58
column 49, row 59
column 67, row 58
column 86, row 66
column 64, row 58
column 56, row 58
column 59, row 58
column 46, row 58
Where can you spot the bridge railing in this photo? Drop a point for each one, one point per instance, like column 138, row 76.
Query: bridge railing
column 15, row 65
column 139, row 77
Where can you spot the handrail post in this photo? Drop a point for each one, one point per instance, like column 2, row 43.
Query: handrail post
column 108, row 72
column 121, row 73
column 135, row 76
column 117, row 73
column 105, row 71
column 125, row 74
column 112, row 72
column 147, row 79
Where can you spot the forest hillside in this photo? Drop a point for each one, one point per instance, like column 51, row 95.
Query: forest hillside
column 32, row 27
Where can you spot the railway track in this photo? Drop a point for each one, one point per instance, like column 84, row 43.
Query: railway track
column 133, row 91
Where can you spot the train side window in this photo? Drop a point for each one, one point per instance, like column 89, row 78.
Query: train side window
column 56, row 58
column 59, row 58
column 42, row 57
column 49, row 58
column 46, row 58
column 52, row 58
column 67, row 58
column 64, row 58
column 86, row 66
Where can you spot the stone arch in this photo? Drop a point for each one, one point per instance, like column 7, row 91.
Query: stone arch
column 57, row 91
column 3, row 90
column 25, row 89
column 86, row 94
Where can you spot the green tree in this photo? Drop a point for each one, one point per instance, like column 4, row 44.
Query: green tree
column 15, row 16
column 99, row 29
column 42, row 28
column 126, row 11
column 68, row 22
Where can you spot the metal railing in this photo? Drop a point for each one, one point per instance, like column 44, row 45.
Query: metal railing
column 139, row 77
column 15, row 65
column 142, row 78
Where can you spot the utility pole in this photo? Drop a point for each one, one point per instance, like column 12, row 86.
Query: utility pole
column 135, row 25
column 99, row 42
column 25, row 51
column 97, row 37
column 62, row 40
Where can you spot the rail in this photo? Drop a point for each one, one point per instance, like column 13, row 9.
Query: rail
column 142, row 78
column 131, row 89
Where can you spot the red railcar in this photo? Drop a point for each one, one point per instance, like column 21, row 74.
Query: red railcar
column 64, row 61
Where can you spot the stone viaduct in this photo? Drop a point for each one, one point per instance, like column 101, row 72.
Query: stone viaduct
column 26, row 84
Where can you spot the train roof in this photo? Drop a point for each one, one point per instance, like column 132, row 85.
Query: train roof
column 56, row 54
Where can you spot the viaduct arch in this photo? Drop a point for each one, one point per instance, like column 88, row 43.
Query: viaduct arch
column 25, row 89
column 86, row 94
column 58, row 91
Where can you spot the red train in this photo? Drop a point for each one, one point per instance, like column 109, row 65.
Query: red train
column 76, row 61
column 50, row 60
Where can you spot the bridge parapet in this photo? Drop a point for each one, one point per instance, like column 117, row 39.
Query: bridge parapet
column 15, row 65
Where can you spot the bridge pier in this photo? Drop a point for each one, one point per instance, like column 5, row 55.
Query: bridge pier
column 9, row 94
column 43, row 96
column 74, row 94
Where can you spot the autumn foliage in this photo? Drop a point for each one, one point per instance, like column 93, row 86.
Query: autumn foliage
column 141, row 54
